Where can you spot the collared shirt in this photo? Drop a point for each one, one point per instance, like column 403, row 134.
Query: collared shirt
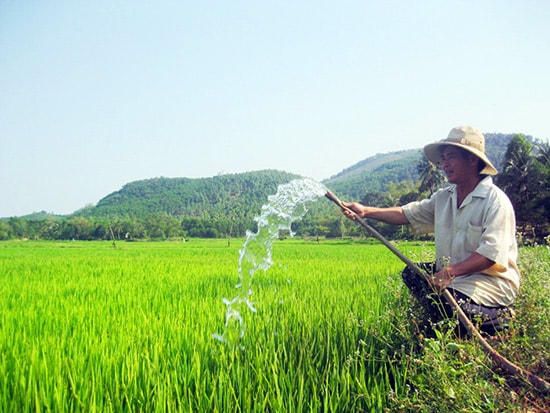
column 484, row 223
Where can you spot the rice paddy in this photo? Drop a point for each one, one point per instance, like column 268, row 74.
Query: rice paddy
column 88, row 327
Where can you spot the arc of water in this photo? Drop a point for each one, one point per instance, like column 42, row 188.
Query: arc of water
column 282, row 209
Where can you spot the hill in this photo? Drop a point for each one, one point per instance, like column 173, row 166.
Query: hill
column 242, row 195
column 237, row 195
column 374, row 173
column 225, row 205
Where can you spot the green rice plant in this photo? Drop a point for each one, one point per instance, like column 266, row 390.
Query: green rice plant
column 86, row 327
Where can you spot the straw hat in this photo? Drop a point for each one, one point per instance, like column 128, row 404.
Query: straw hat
column 464, row 137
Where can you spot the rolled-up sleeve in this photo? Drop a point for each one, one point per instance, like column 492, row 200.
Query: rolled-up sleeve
column 497, row 230
column 420, row 215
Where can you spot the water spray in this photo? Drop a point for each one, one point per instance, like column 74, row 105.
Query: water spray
column 499, row 360
column 281, row 210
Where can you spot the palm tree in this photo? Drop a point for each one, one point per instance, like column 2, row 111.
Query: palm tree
column 543, row 152
column 520, row 180
column 431, row 176
column 515, row 173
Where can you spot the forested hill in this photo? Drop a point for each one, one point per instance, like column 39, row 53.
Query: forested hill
column 226, row 205
column 240, row 196
column 374, row 173
column 233, row 195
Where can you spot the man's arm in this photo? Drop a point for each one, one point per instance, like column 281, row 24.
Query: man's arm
column 475, row 263
column 392, row 215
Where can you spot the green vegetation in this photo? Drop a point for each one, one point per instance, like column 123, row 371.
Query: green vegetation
column 451, row 374
column 88, row 327
column 225, row 206
column 201, row 198
column 375, row 173
column 526, row 180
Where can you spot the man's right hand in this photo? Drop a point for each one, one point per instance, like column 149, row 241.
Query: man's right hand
column 353, row 208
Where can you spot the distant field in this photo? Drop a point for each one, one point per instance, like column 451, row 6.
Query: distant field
column 87, row 327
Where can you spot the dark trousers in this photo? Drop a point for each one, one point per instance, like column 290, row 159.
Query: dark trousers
column 487, row 319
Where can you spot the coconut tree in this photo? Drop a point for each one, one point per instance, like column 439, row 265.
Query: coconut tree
column 431, row 176
column 520, row 179
column 543, row 152
column 515, row 173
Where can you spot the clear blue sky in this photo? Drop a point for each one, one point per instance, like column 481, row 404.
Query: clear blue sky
column 96, row 94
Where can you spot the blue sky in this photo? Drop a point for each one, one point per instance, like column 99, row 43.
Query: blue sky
column 95, row 94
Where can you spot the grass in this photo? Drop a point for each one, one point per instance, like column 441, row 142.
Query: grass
column 450, row 374
column 86, row 327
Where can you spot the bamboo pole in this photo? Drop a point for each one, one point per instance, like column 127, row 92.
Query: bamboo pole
column 499, row 360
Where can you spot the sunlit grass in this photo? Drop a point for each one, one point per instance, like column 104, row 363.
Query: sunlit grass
column 87, row 327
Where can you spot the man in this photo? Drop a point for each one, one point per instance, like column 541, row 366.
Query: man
column 474, row 226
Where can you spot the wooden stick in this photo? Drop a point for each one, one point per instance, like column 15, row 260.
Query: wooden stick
column 497, row 358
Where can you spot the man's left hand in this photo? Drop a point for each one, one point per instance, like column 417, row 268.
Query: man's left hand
column 442, row 279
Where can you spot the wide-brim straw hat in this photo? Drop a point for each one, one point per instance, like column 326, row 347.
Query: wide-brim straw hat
column 464, row 137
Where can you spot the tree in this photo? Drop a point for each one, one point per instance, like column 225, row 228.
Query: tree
column 431, row 177
column 4, row 231
column 336, row 227
column 541, row 172
column 514, row 179
column 82, row 229
column 543, row 152
column 525, row 179
column 18, row 228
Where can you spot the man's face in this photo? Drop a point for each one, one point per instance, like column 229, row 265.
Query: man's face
column 456, row 163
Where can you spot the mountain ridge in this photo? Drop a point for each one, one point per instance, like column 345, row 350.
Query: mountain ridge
column 194, row 196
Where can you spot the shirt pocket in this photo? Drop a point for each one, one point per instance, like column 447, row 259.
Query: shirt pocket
column 473, row 237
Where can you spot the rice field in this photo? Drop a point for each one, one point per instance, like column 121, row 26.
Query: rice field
column 92, row 328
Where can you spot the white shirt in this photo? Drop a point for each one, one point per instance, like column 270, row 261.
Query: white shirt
column 484, row 223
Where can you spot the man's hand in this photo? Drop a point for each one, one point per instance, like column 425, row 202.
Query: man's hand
column 391, row 215
column 441, row 279
column 475, row 263
column 352, row 208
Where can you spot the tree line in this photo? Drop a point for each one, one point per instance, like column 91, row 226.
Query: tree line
column 225, row 207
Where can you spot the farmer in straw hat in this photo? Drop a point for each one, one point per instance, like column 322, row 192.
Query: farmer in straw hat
column 474, row 226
